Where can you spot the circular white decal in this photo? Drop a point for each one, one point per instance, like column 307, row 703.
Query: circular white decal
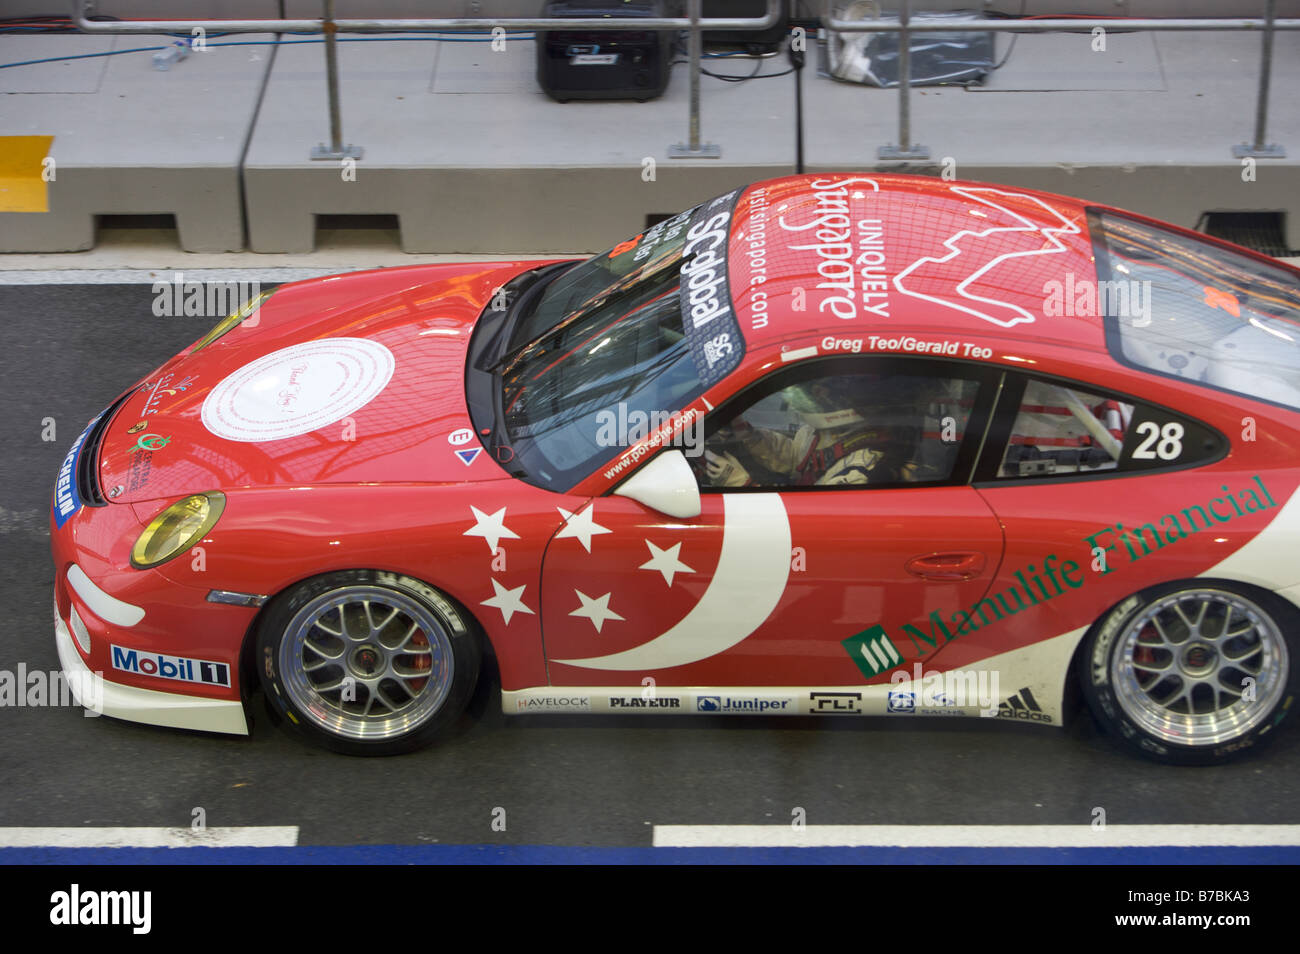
column 298, row 389
column 462, row 435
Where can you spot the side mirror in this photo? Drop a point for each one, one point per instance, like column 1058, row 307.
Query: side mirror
column 666, row 484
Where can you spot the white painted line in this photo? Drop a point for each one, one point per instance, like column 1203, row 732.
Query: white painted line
column 973, row 836
column 259, row 837
column 797, row 353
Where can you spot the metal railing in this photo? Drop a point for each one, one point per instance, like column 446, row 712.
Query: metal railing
column 905, row 26
column 695, row 23
column 330, row 26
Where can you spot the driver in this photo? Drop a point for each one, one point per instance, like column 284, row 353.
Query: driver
column 833, row 446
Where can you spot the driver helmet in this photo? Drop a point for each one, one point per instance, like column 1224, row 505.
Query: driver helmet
column 826, row 405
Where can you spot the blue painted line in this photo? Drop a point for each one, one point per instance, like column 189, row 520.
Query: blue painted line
column 547, row 854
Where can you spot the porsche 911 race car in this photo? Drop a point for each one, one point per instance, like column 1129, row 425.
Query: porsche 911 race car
column 828, row 445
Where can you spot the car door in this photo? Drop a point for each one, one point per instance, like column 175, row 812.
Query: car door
column 1101, row 495
column 798, row 573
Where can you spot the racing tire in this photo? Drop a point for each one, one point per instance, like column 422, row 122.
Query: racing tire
column 366, row 662
column 1193, row 673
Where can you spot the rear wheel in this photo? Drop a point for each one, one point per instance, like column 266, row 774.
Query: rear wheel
column 1192, row 673
column 366, row 662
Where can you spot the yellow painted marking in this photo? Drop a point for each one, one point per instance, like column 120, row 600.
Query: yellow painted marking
column 22, row 163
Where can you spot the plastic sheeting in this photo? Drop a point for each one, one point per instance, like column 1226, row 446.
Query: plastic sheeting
column 937, row 58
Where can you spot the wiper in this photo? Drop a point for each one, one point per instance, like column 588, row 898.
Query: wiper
column 619, row 292
column 540, row 279
column 509, row 360
column 533, row 283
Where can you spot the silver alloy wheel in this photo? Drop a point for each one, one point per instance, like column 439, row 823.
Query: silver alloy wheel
column 1199, row 667
column 366, row 662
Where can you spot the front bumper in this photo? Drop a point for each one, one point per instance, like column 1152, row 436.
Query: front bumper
column 143, row 705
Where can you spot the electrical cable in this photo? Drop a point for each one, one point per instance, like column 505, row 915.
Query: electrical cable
column 367, row 39
column 730, row 77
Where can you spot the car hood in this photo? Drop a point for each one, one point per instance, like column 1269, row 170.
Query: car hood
column 349, row 379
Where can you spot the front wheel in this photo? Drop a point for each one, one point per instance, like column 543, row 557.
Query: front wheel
column 366, row 662
column 1192, row 673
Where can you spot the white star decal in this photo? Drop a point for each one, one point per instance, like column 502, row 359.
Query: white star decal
column 596, row 610
column 665, row 561
column 509, row 602
column 490, row 528
column 583, row 526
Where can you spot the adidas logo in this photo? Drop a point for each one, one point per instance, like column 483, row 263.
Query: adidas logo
column 1023, row 706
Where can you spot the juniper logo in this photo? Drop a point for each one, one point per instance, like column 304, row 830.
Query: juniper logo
column 76, row 907
column 873, row 651
column 732, row 704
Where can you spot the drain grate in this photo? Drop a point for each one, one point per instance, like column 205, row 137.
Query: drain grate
column 335, row 220
column 1261, row 231
column 136, row 221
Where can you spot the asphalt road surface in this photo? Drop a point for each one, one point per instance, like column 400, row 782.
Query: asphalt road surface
column 68, row 350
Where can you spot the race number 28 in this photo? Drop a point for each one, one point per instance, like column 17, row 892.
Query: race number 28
column 1168, row 441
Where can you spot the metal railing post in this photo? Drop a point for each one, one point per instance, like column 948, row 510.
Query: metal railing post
column 904, row 149
column 1259, row 149
column 694, row 149
column 336, row 149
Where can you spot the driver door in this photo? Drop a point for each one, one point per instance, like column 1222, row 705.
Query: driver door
column 782, row 580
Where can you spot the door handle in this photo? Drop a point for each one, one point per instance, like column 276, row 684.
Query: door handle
column 954, row 565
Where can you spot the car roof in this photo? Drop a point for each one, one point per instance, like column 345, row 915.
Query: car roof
column 854, row 254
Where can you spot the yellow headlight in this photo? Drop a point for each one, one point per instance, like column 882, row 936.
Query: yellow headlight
column 233, row 319
column 177, row 528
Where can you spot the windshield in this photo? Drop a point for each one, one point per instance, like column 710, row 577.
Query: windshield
column 1190, row 309
column 618, row 337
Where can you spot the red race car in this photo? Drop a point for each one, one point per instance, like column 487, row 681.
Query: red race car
column 833, row 445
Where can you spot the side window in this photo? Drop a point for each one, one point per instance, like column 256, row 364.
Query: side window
column 843, row 427
column 1186, row 308
column 1063, row 430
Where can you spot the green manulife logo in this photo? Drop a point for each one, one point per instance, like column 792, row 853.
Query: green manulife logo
column 874, row 652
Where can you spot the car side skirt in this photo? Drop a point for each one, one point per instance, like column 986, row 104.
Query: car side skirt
column 1025, row 685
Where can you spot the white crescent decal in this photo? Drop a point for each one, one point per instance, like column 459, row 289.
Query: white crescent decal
column 753, row 568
